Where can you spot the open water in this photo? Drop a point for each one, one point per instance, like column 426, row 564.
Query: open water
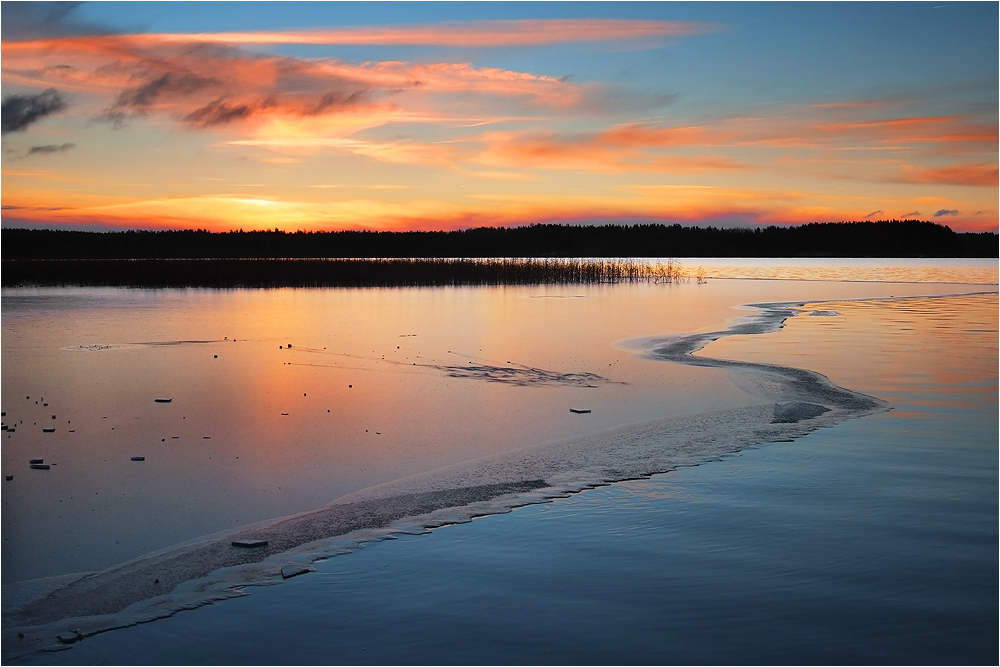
column 868, row 540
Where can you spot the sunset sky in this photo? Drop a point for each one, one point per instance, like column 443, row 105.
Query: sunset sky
column 390, row 116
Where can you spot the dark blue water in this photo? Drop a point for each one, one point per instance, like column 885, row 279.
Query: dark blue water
column 874, row 541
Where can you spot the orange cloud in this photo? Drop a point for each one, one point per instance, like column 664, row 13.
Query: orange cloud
column 152, row 72
column 977, row 175
column 929, row 129
column 210, row 85
column 849, row 127
column 490, row 34
column 643, row 135
column 633, row 146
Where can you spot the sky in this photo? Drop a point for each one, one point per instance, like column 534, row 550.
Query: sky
column 438, row 116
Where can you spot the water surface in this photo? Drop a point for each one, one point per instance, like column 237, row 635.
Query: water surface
column 420, row 397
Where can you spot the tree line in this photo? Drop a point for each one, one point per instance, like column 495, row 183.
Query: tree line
column 887, row 238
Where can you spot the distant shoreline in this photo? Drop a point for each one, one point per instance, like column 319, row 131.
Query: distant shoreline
column 535, row 255
column 892, row 238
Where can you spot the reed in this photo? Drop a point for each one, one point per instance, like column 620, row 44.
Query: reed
column 265, row 273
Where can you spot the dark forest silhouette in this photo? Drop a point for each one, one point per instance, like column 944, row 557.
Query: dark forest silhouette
column 908, row 238
column 364, row 258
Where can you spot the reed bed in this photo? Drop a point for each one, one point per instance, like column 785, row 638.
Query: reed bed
column 265, row 273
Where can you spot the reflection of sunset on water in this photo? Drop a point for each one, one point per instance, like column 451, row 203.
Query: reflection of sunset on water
column 913, row 326
column 373, row 385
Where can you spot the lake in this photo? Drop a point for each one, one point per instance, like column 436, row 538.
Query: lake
column 299, row 414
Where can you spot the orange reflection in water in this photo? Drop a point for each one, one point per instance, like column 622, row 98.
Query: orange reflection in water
column 921, row 270
column 844, row 341
column 378, row 385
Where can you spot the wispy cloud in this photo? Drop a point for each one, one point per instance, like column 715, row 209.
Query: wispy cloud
column 14, row 207
column 975, row 175
column 220, row 112
column 946, row 134
column 466, row 34
column 51, row 148
column 170, row 85
column 946, row 211
column 637, row 146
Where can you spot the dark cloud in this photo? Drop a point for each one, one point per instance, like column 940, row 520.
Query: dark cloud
column 219, row 113
column 20, row 111
column 336, row 99
column 946, row 211
column 874, row 213
column 912, row 214
column 148, row 93
column 137, row 100
column 11, row 207
column 190, row 95
column 116, row 118
column 51, row 148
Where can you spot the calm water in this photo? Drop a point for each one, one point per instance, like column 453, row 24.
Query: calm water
column 944, row 270
column 881, row 530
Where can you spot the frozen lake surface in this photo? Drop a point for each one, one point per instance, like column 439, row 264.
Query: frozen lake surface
column 464, row 396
